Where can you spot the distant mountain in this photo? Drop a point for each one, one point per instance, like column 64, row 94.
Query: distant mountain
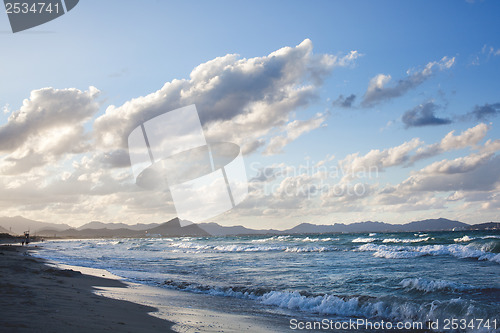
column 307, row 228
column 171, row 228
column 176, row 227
column 114, row 226
column 434, row 225
column 90, row 233
column 215, row 229
column 369, row 226
column 20, row 224
column 485, row 226
column 4, row 231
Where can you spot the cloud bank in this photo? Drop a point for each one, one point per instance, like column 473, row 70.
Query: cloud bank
column 48, row 126
column 239, row 100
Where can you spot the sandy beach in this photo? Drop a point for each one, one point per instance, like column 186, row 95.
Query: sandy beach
column 37, row 297
column 41, row 296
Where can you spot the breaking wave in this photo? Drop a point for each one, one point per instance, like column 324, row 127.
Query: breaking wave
column 455, row 250
column 340, row 306
column 428, row 286
column 364, row 240
column 399, row 240
column 187, row 247
column 288, row 238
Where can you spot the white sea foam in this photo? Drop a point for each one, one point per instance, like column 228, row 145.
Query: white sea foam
column 364, row 240
column 397, row 254
column 288, row 238
column 324, row 304
column 309, row 249
column 272, row 239
column 464, row 239
column 329, row 304
column 399, row 240
column 428, row 286
column 372, row 234
column 188, row 247
column 455, row 250
column 469, row 239
column 375, row 247
column 369, row 308
column 308, row 239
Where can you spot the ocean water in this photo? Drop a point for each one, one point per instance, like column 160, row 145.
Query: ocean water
column 406, row 277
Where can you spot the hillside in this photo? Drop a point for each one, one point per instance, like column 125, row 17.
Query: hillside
column 4, row 231
column 171, row 228
column 370, row 226
column 114, row 226
column 20, row 224
column 215, row 229
column 485, row 226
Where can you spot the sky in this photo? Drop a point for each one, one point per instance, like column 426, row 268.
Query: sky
column 345, row 111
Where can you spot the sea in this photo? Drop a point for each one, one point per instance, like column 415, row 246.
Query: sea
column 447, row 279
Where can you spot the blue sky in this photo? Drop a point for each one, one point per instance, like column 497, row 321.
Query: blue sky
column 435, row 62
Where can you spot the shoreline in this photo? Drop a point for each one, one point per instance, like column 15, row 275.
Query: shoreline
column 42, row 295
column 38, row 297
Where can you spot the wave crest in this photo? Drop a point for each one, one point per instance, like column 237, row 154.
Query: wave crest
column 455, row 250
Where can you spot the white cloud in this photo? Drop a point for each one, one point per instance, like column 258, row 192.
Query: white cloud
column 490, row 51
column 491, row 146
column 470, row 178
column 468, row 138
column 293, row 129
column 472, row 173
column 353, row 185
column 378, row 90
column 252, row 102
column 49, row 124
column 6, row 109
column 377, row 160
column 239, row 100
column 458, row 165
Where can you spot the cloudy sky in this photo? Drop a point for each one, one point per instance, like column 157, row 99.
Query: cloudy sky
column 345, row 111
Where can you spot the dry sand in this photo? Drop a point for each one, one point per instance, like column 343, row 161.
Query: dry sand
column 36, row 297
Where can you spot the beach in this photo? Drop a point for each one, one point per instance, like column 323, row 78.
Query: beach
column 43, row 296
column 37, row 297
column 264, row 283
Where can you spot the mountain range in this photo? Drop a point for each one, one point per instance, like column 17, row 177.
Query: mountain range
column 176, row 227
column 18, row 224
